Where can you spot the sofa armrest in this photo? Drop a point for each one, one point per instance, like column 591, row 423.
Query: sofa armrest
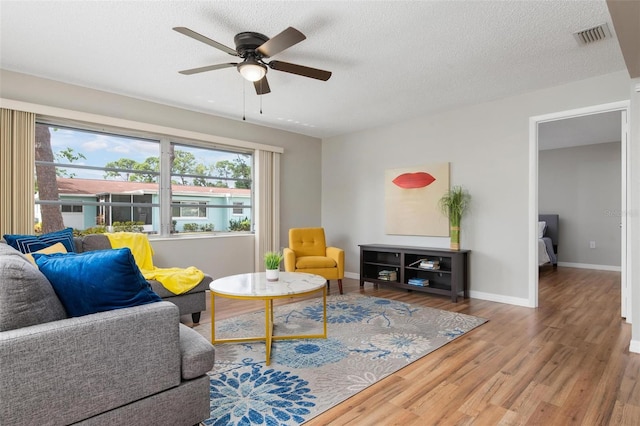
column 337, row 254
column 289, row 259
column 196, row 352
column 65, row 371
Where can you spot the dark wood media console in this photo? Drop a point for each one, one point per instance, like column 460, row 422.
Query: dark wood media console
column 447, row 271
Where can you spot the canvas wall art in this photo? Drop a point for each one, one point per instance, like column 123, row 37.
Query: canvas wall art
column 411, row 200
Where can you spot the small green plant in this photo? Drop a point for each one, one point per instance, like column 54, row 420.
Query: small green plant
column 272, row 260
column 190, row 227
column 207, row 227
column 128, row 226
column 99, row 229
column 240, row 224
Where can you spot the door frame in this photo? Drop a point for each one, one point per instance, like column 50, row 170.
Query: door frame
column 625, row 265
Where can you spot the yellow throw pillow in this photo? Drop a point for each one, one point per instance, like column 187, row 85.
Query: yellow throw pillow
column 56, row 248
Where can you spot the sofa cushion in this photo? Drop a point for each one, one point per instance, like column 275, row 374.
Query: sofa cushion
column 95, row 242
column 96, row 281
column 31, row 243
column 195, row 352
column 26, row 297
column 162, row 291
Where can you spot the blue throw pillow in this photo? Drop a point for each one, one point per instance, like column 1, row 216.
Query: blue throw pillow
column 96, row 281
column 31, row 243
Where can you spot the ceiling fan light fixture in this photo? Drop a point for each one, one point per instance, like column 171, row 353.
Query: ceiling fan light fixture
column 252, row 70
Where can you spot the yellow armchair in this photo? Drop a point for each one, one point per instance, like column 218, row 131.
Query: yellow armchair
column 308, row 252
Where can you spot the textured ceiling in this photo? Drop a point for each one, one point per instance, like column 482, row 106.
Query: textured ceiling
column 391, row 60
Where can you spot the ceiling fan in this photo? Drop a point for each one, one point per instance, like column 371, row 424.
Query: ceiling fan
column 253, row 48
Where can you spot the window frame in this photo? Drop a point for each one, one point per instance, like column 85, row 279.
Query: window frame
column 164, row 202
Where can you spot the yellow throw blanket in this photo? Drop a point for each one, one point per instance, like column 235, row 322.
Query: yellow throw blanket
column 176, row 280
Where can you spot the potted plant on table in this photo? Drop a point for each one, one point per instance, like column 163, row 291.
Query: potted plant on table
column 272, row 261
column 453, row 205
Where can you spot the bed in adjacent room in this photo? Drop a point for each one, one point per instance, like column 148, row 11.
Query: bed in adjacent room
column 548, row 239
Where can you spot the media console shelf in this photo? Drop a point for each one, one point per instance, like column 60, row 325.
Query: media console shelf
column 446, row 271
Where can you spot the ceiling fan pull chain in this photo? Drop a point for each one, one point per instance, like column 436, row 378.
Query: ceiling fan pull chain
column 261, row 96
column 244, row 101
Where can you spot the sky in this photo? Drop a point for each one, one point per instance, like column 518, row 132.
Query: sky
column 100, row 149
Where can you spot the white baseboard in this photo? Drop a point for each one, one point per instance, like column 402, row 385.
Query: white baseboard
column 590, row 266
column 634, row 346
column 475, row 294
column 500, row 298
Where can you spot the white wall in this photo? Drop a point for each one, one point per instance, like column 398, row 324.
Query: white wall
column 219, row 257
column 583, row 185
column 487, row 146
column 300, row 165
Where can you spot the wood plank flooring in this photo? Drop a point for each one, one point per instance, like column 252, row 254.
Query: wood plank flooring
column 566, row 362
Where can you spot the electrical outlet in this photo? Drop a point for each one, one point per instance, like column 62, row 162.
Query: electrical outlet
column 592, row 244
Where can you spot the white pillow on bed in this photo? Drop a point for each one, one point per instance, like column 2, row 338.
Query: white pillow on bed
column 542, row 226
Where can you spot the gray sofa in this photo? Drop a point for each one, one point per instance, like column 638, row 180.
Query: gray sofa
column 192, row 302
column 127, row 366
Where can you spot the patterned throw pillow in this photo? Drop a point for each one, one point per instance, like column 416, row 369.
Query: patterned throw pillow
column 56, row 248
column 31, row 243
column 96, row 281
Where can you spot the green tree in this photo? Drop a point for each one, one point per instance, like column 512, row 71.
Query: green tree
column 205, row 170
column 70, row 156
column 183, row 163
column 123, row 163
column 223, row 169
column 241, row 170
column 150, row 164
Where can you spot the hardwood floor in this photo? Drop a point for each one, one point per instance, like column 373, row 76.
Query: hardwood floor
column 566, row 362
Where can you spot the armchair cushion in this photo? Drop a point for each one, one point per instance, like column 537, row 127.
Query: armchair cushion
column 308, row 262
column 26, row 298
column 96, row 281
column 307, row 241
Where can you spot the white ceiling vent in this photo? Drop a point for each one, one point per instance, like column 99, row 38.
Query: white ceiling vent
column 591, row 35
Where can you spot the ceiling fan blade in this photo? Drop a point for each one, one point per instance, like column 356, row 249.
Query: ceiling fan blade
column 262, row 86
column 300, row 70
column 206, row 40
column 280, row 42
column 208, row 68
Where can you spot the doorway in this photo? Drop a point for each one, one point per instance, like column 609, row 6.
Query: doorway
column 535, row 126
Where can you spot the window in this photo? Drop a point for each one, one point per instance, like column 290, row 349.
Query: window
column 190, row 210
column 70, row 209
column 115, row 179
column 237, row 209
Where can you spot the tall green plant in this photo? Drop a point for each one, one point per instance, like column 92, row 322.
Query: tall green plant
column 453, row 205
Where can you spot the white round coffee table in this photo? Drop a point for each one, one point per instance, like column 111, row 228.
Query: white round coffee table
column 256, row 287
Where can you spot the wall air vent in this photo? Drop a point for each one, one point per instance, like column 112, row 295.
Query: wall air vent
column 591, row 35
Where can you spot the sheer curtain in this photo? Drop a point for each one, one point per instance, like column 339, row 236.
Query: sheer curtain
column 17, row 162
column 267, row 202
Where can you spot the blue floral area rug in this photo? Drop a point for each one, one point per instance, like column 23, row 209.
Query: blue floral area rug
column 368, row 339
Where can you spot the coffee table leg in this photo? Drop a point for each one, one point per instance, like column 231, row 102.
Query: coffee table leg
column 268, row 332
column 324, row 309
column 213, row 318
